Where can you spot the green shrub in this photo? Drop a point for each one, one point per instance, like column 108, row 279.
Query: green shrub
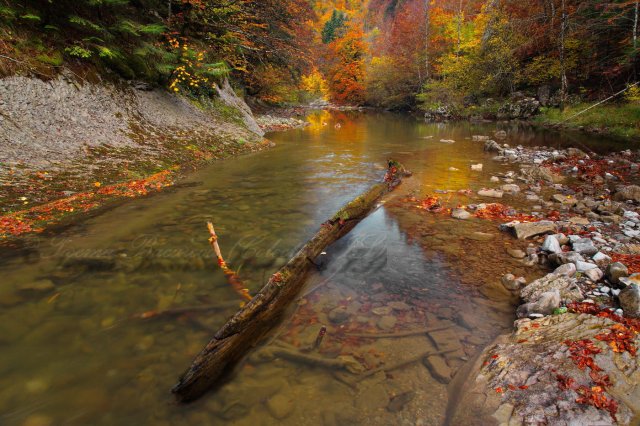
column 54, row 59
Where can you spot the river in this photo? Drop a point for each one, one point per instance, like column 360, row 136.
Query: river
column 72, row 352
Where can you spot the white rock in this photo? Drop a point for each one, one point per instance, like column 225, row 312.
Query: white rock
column 513, row 188
column 495, row 193
column 476, row 167
column 494, row 179
column 568, row 269
column 594, row 274
column 615, row 291
column 584, row 266
column 453, row 169
column 601, row 257
column 605, row 289
column 551, row 245
column 619, row 312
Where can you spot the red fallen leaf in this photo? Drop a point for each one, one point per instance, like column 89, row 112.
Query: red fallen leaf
column 535, row 325
column 631, row 261
column 523, row 387
column 511, row 387
column 497, row 211
column 523, row 340
column 495, row 356
column 565, row 382
column 485, row 363
column 499, row 390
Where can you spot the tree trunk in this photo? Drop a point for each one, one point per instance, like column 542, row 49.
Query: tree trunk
column 249, row 325
column 426, row 40
column 635, row 27
column 563, row 71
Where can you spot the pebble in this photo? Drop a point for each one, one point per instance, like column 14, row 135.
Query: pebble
column 461, row 214
column 494, row 193
column 387, row 322
column 280, row 406
column 516, row 253
column 494, row 179
column 476, row 167
column 338, row 315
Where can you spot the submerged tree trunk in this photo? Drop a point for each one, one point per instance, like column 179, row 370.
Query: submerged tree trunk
column 249, row 325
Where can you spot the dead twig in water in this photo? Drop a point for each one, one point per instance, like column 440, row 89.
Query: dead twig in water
column 231, row 275
column 186, row 310
column 401, row 364
column 399, row 333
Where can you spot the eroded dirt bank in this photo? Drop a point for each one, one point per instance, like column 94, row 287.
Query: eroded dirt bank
column 68, row 138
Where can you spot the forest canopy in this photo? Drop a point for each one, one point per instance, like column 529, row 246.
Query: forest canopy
column 386, row 53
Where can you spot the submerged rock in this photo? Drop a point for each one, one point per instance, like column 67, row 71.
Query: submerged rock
column 280, row 406
column 494, row 193
column 438, row 368
column 460, row 214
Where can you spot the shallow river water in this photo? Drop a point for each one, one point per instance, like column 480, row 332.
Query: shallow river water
column 72, row 351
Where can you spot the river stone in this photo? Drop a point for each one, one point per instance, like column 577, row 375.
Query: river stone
column 372, row 398
column 631, row 192
column 438, row 368
column 460, row 214
column 516, row 253
column 399, row 401
column 563, row 199
column 615, row 271
column 594, row 274
column 630, row 300
column 480, row 236
column 568, row 270
column 601, row 258
column 567, row 287
column 578, row 220
column 551, row 244
column 382, row 310
column 387, row 322
column 526, row 230
column 511, row 188
column 544, row 305
column 584, row 246
column 338, row 315
column 399, row 306
column 494, row 193
column 584, row 266
column 280, row 406
column 511, row 283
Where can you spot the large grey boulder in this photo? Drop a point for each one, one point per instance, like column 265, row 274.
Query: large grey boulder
column 545, row 305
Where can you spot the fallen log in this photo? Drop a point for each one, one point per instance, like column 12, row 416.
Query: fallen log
column 245, row 329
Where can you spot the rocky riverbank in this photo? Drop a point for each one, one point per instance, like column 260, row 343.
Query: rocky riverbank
column 572, row 356
column 67, row 145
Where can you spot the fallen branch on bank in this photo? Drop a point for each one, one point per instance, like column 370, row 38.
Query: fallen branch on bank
column 245, row 329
